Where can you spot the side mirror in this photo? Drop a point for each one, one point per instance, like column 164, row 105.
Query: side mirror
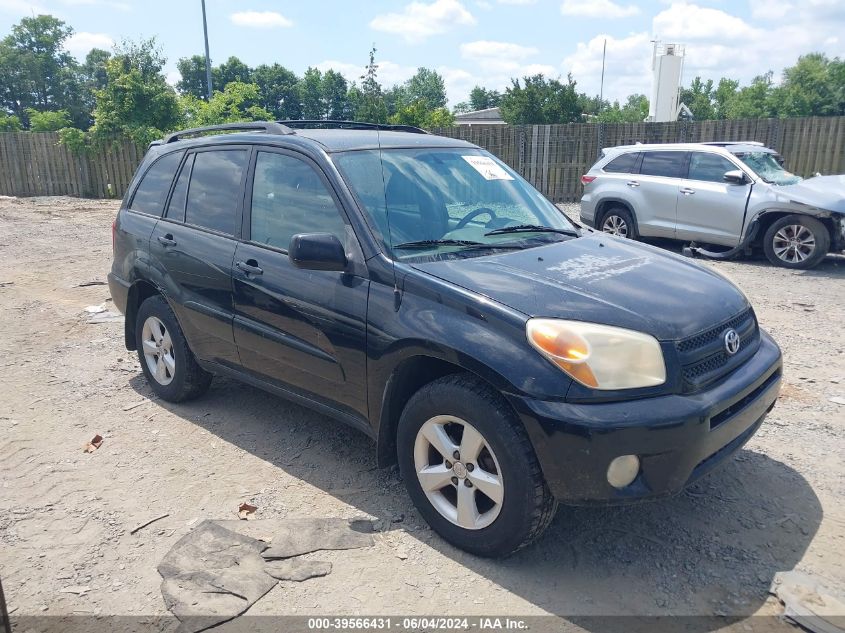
column 317, row 251
column 735, row 177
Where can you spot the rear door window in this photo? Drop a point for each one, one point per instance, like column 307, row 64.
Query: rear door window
column 150, row 195
column 709, row 167
column 625, row 164
column 215, row 190
column 668, row 164
column 176, row 208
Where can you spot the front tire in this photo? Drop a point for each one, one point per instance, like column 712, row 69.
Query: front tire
column 470, row 468
column 620, row 222
column 796, row 241
column 166, row 360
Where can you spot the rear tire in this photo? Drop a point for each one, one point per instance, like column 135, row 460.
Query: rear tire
column 166, row 360
column 796, row 241
column 620, row 222
column 462, row 413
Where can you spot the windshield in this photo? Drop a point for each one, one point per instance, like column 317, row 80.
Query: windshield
column 768, row 168
column 449, row 202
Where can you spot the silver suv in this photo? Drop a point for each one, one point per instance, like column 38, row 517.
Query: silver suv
column 726, row 198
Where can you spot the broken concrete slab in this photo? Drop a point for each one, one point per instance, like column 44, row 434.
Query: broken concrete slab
column 212, row 575
column 301, row 536
column 809, row 603
column 297, row 570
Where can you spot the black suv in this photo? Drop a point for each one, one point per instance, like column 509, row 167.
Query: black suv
column 416, row 288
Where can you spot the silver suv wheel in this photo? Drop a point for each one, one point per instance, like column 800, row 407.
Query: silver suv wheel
column 615, row 225
column 158, row 351
column 458, row 472
column 794, row 243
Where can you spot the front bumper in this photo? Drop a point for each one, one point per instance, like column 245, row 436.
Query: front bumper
column 678, row 438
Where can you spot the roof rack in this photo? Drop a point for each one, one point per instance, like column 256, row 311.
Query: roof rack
column 726, row 143
column 269, row 127
column 319, row 124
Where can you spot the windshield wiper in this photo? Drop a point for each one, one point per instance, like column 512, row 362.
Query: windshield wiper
column 532, row 228
column 467, row 243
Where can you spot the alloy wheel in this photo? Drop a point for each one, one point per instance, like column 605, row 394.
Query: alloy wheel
column 794, row 243
column 158, row 351
column 458, row 472
column 615, row 225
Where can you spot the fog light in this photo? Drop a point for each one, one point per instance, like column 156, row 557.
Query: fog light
column 623, row 470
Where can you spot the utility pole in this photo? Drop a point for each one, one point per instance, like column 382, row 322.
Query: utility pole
column 601, row 89
column 207, row 58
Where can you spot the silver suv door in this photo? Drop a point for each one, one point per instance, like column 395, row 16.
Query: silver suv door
column 710, row 209
column 657, row 186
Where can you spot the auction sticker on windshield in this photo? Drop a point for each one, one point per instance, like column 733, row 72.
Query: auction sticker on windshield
column 487, row 167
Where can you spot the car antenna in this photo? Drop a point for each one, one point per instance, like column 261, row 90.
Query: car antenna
column 397, row 296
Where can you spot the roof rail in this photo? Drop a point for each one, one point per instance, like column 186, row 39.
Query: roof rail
column 319, row 124
column 726, row 143
column 269, row 127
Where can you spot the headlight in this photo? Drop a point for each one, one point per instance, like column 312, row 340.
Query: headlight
column 599, row 356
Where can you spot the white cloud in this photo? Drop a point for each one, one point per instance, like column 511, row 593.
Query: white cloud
column 260, row 19
column 517, row 2
column 597, row 9
column 79, row 44
column 112, row 4
column 485, row 49
column 418, row 21
column 628, row 65
column 689, row 22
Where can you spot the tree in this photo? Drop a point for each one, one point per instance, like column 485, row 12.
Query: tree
column 48, row 121
column 238, row 101
column 370, row 105
column 811, row 87
column 334, row 90
column 193, row 76
column 233, row 69
column 540, row 101
column 635, row 110
column 426, row 85
column 418, row 114
column 137, row 101
column 481, row 98
column 311, row 94
column 753, row 101
column 723, row 96
column 279, row 91
column 37, row 72
column 9, row 123
column 698, row 98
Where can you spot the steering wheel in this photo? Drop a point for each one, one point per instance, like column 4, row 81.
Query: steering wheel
column 474, row 214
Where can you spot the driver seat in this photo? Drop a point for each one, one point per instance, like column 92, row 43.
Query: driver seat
column 413, row 212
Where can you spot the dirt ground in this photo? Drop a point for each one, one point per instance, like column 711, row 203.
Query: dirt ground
column 66, row 515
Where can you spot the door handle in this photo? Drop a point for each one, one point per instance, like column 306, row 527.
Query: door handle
column 166, row 240
column 687, row 191
column 250, row 267
column 633, row 183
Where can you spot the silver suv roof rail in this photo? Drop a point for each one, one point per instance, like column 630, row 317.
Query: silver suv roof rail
column 269, row 127
column 726, row 143
column 331, row 124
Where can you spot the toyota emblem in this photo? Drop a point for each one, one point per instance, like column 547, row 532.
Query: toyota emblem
column 731, row 342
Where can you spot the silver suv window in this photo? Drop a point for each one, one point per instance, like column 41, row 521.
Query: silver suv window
column 668, row 164
column 709, row 167
column 624, row 164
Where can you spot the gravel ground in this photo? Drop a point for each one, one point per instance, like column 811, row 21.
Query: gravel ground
column 66, row 515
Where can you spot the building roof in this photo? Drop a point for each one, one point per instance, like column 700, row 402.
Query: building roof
column 487, row 115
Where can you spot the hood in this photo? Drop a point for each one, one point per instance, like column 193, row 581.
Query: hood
column 601, row 279
column 821, row 192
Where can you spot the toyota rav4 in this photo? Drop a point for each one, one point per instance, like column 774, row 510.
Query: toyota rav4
column 419, row 290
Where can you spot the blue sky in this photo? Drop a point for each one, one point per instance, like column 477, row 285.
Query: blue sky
column 468, row 41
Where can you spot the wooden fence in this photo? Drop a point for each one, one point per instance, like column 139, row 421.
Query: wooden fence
column 35, row 164
column 552, row 157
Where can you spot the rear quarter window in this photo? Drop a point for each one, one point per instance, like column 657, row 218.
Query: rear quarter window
column 624, row 164
column 668, row 164
column 150, row 195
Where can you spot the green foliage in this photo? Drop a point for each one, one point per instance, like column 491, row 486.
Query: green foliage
column 193, row 81
column 279, row 91
column 74, row 139
column 635, row 110
column 37, row 72
column 237, row 102
column 481, row 98
column 334, row 90
column 370, row 105
column 419, row 114
column 427, row 86
column 540, row 101
column 47, row 121
column 311, row 94
column 9, row 123
column 136, row 101
column 699, row 99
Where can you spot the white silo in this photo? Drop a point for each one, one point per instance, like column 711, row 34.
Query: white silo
column 667, row 64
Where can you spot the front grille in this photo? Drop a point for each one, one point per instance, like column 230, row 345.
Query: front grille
column 703, row 356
